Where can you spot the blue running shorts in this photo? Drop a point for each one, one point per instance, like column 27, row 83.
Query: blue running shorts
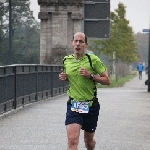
column 88, row 121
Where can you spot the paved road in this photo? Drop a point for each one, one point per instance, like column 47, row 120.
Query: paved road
column 124, row 122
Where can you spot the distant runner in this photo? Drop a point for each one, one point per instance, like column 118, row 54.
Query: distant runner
column 140, row 69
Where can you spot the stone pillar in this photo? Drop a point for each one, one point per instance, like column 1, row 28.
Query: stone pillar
column 60, row 20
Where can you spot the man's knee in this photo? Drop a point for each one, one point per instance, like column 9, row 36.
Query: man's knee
column 90, row 145
column 72, row 142
column 73, row 132
column 89, row 142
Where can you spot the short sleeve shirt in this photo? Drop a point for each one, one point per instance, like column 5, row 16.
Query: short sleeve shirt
column 81, row 88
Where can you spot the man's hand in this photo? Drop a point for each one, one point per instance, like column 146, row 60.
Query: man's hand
column 84, row 72
column 62, row 75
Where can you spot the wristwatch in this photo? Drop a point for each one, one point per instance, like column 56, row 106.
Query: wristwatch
column 91, row 76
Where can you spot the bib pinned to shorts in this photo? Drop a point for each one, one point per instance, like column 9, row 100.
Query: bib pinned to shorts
column 81, row 107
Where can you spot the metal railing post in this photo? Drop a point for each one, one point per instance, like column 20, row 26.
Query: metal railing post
column 149, row 63
column 15, row 87
column 36, row 98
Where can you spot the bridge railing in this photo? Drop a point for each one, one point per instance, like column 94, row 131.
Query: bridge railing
column 23, row 84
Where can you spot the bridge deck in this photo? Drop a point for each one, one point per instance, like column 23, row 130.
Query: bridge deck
column 124, row 122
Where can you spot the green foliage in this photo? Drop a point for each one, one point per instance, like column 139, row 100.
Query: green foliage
column 21, row 13
column 26, row 44
column 121, row 40
column 142, row 40
column 25, row 34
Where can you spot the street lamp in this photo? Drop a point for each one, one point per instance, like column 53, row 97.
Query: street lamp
column 149, row 64
column 148, row 31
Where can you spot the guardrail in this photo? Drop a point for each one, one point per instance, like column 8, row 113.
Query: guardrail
column 23, row 84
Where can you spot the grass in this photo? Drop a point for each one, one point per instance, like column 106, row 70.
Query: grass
column 119, row 83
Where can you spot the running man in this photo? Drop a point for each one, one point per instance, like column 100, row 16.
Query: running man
column 82, row 71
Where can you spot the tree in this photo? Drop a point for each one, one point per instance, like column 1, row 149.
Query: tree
column 142, row 46
column 26, row 43
column 121, row 40
column 3, row 44
column 25, row 32
column 21, row 14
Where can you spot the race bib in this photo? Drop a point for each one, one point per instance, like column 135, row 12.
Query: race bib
column 81, row 107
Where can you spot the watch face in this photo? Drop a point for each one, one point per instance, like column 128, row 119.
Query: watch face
column 92, row 75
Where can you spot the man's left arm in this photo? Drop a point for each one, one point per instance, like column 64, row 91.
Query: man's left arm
column 102, row 78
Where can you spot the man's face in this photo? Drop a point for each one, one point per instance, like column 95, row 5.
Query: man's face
column 79, row 44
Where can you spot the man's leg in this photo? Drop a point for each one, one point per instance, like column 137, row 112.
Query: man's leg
column 73, row 133
column 140, row 75
column 89, row 140
column 90, row 124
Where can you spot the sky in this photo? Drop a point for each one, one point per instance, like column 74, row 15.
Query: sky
column 137, row 12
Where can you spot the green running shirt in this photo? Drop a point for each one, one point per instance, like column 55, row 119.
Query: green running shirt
column 81, row 88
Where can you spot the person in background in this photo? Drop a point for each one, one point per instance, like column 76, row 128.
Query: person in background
column 82, row 105
column 140, row 69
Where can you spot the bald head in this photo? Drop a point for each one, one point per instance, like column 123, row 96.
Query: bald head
column 80, row 34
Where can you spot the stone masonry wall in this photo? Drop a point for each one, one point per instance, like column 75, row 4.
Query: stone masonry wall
column 60, row 20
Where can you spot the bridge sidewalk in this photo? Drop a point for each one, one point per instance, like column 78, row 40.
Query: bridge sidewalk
column 124, row 122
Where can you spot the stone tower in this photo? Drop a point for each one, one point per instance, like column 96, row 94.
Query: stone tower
column 60, row 20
